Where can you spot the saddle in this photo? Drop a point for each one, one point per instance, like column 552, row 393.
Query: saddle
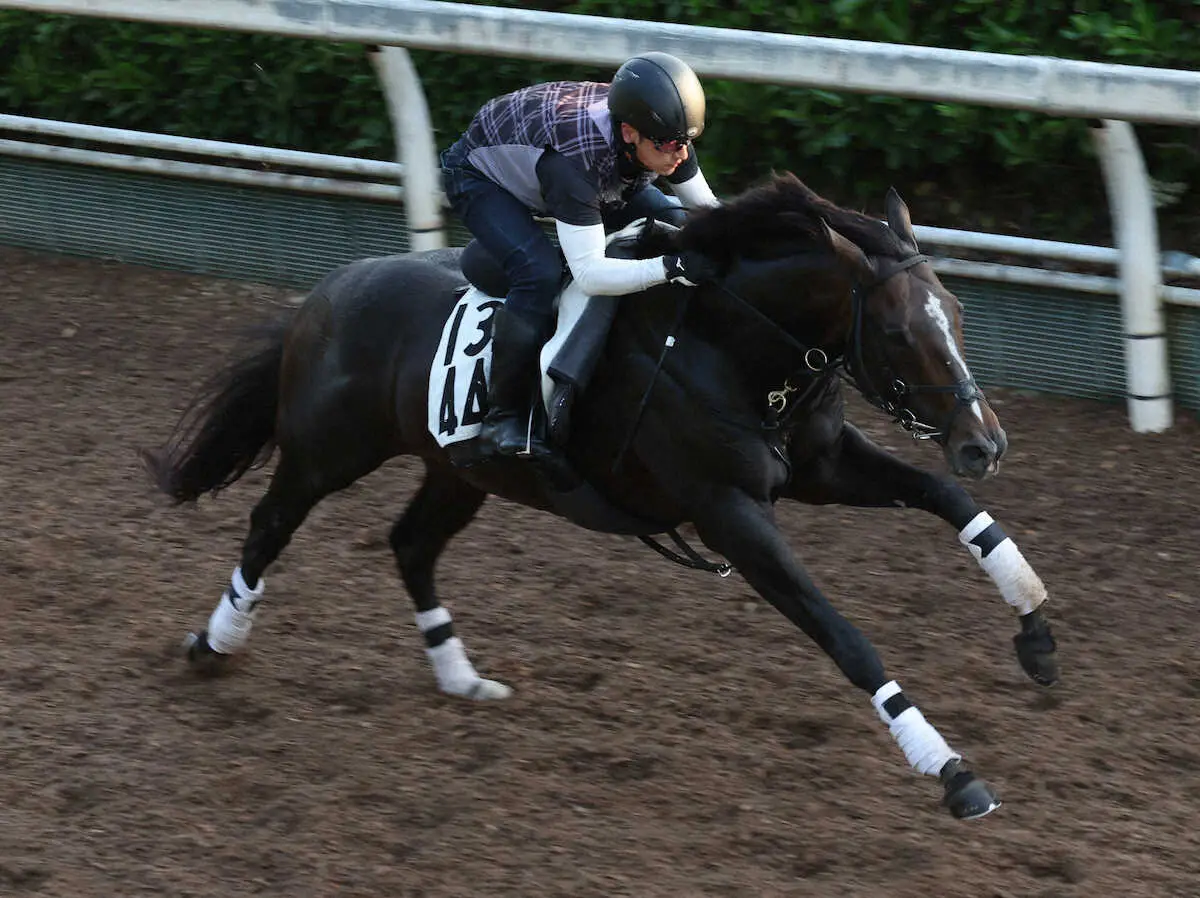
column 569, row 357
column 568, row 360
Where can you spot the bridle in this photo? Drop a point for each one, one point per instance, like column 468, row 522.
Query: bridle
column 819, row 367
column 892, row 402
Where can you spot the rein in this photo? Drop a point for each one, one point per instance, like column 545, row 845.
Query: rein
column 850, row 367
column 819, row 366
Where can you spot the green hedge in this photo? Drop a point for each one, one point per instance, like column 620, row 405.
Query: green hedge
column 968, row 166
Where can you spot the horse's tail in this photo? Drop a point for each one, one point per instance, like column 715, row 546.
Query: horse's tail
column 227, row 429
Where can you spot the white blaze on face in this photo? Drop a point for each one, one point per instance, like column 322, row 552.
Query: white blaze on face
column 933, row 306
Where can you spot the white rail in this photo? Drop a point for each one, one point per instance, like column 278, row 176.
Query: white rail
column 1175, row 263
column 1039, row 83
column 1147, row 366
column 1060, row 280
column 200, row 171
column 414, row 142
column 195, row 146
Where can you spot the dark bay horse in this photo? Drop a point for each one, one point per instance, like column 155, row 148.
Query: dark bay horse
column 706, row 407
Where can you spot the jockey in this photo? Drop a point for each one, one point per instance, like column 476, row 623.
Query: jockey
column 585, row 154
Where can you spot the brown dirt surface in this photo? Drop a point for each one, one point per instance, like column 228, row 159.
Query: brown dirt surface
column 671, row 735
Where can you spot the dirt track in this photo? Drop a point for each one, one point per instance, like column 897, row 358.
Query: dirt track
column 671, row 735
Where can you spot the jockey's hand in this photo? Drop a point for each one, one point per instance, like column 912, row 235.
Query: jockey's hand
column 689, row 268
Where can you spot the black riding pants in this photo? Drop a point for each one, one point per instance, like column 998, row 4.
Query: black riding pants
column 505, row 227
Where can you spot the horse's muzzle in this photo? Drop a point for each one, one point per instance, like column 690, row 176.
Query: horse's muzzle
column 978, row 455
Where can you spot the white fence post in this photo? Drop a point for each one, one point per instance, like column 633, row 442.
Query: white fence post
column 414, row 144
column 1135, row 231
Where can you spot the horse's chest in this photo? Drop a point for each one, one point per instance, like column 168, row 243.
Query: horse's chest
column 814, row 436
column 816, row 433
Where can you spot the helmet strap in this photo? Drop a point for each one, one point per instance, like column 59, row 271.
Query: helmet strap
column 628, row 163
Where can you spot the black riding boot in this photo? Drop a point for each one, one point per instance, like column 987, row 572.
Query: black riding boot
column 513, row 385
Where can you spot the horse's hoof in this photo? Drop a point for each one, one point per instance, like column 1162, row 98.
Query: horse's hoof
column 486, row 691
column 202, row 657
column 1042, row 669
column 966, row 796
column 1037, row 652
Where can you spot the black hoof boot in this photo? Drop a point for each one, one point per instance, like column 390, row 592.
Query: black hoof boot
column 966, row 796
column 202, row 657
column 1036, row 649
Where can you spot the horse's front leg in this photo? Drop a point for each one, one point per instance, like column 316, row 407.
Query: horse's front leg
column 744, row 531
column 857, row 472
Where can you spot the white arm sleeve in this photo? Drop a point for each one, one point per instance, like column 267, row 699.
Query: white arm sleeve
column 695, row 193
column 598, row 275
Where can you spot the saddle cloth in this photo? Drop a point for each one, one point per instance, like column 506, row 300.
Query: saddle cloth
column 458, row 377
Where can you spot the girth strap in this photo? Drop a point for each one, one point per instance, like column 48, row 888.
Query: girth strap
column 680, row 311
column 693, row 559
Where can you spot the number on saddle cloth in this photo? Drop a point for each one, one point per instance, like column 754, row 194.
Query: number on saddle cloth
column 458, row 377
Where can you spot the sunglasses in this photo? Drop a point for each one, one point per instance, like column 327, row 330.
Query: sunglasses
column 674, row 145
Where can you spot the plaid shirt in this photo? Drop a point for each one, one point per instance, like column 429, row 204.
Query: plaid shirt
column 569, row 116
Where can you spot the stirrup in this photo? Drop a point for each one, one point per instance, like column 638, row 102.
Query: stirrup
column 534, row 448
column 526, row 447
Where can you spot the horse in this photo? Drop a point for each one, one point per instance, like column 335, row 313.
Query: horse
column 707, row 406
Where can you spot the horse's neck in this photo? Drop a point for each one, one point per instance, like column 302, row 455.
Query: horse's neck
column 800, row 303
column 756, row 324
column 711, row 348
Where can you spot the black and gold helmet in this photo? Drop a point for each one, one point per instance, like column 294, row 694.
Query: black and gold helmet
column 660, row 96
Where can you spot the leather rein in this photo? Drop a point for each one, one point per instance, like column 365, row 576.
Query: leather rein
column 819, row 366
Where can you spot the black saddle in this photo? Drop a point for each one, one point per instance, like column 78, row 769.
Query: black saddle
column 569, row 494
column 483, row 271
column 575, row 361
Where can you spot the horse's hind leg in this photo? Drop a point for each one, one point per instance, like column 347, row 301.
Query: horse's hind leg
column 442, row 507
column 292, row 494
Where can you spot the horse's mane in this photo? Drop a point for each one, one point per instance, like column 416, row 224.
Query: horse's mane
column 782, row 210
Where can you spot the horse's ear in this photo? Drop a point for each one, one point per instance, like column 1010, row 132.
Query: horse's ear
column 899, row 219
column 848, row 251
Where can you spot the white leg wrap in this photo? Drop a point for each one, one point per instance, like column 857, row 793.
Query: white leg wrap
column 455, row 673
column 999, row 556
column 230, row 623
column 922, row 745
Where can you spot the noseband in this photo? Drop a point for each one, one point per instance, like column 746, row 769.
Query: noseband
column 892, row 402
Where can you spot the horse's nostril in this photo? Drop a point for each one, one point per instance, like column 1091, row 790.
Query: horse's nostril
column 975, row 456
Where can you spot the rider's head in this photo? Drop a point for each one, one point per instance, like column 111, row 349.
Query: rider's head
column 657, row 103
